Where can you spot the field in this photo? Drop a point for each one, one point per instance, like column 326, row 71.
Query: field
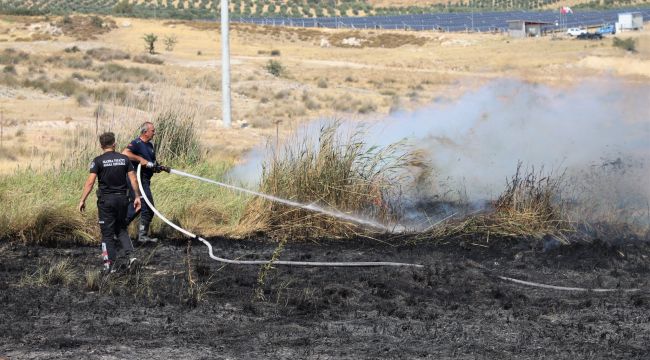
column 208, row 9
column 505, row 158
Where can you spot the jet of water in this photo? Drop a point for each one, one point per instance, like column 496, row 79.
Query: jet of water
column 311, row 207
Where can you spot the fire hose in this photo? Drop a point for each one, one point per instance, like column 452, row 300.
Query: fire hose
column 252, row 262
column 329, row 264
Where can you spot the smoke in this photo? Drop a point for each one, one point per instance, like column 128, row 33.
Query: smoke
column 475, row 142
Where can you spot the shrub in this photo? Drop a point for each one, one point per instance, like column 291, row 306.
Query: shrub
column 82, row 100
column 275, row 52
column 12, row 57
column 628, row 44
column 9, row 69
column 67, row 87
column 72, row 49
column 150, row 42
column 96, row 21
column 124, row 7
column 275, row 68
column 147, row 59
column 367, row 107
column 79, row 63
column 106, row 54
column 322, row 83
column 119, row 73
column 170, row 42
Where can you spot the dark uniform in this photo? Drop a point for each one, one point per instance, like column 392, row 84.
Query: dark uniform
column 112, row 200
column 146, row 151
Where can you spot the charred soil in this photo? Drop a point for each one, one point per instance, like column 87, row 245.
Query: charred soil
column 454, row 307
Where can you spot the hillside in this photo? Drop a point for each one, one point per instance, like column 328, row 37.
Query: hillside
column 189, row 9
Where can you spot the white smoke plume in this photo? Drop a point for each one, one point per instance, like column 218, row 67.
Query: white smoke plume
column 476, row 141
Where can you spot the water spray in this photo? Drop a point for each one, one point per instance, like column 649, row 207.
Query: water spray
column 272, row 198
column 310, row 207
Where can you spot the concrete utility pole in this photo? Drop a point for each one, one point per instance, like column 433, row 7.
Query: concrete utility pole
column 225, row 65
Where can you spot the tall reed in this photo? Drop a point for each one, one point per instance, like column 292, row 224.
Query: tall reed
column 337, row 171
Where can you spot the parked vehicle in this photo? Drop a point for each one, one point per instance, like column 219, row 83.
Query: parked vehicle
column 576, row 31
column 606, row 29
column 589, row 36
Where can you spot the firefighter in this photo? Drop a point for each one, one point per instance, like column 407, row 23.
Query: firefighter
column 141, row 151
column 112, row 170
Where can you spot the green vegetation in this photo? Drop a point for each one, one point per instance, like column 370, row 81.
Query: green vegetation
column 150, row 41
column 40, row 205
column 202, row 9
column 628, row 44
column 275, row 68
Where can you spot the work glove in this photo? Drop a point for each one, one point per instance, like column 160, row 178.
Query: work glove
column 150, row 165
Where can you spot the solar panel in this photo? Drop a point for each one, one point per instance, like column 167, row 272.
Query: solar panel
column 454, row 22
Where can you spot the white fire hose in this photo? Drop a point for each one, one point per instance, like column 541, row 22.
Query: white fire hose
column 330, row 264
column 253, row 262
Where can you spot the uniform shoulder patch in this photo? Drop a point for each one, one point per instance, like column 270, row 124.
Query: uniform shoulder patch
column 91, row 165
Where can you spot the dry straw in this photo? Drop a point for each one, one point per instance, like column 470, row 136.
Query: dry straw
column 337, row 171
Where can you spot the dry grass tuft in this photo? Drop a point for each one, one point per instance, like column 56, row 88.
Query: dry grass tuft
column 530, row 206
column 60, row 273
column 337, row 171
column 58, row 225
column 107, row 54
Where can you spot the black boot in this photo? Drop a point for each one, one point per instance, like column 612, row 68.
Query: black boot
column 142, row 235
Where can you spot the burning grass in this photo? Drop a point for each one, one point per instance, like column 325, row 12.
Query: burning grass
column 530, row 206
column 337, row 172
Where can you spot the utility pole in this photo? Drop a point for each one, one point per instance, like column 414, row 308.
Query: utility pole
column 225, row 65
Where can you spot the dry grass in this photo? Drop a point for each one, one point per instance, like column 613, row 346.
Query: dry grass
column 337, row 171
column 531, row 206
column 372, row 39
column 86, row 27
column 59, row 273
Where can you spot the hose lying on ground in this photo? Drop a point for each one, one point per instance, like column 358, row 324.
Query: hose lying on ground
column 253, row 262
column 336, row 264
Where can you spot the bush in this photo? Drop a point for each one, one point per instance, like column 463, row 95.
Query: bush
column 124, row 7
column 119, row 73
column 12, row 57
column 275, row 52
column 322, row 83
column 67, row 87
column 106, row 54
column 96, row 21
column 9, row 69
column 147, row 59
column 150, row 42
column 72, row 49
column 628, row 44
column 79, row 63
column 275, row 68
column 170, row 42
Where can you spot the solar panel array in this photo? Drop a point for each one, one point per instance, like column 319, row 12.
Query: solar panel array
column 455, row 22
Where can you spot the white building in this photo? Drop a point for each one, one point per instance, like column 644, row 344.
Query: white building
column 630, row 21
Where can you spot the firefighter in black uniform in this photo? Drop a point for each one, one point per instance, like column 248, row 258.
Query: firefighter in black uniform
column 141, row 151
column 112, row 169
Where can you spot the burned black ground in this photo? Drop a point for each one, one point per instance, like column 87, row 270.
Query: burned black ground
column 456, row 307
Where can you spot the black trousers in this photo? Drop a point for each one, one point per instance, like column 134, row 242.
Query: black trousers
column 112, row 210
column 146, row 214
